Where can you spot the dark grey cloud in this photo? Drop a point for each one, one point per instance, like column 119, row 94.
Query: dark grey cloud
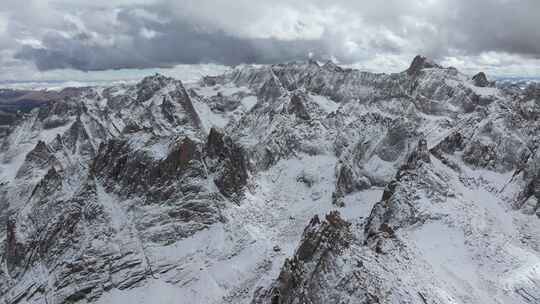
column 116, row 34
column 510, row 26
column 165, row 45
column 181, row 45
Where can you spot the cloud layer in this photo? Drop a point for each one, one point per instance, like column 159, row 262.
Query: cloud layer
column 119, row 34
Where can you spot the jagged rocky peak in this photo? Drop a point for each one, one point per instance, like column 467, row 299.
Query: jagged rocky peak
column 211, row 80
column 348, row 182
column 155, row 80
column 133, row 172
column 419, row 63
column 181, row 156
column 419, row 155
column 481, row 80
column 228, row 161
column 149, row 85
column 397, row 206
column 332, row 66
column 39, row 158
column 302, row 277
column 313, row 62
column 333, row 233
column 532, row 92
column 48, row 184
column 41, row 147
column 216, row 144
column 297, row 106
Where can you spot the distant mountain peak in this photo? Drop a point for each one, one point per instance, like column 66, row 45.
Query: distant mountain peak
column 155, row 78
column 481, row 80
column 419, row 63
column 331, row 66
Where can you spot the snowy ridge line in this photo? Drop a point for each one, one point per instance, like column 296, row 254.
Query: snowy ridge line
column 291, row 183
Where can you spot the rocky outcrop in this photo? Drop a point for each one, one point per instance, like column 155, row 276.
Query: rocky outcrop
column 419, row 156
column 150, row 85
column 39, row 159
column 79, row 141
column 450, row 144
column 529, row 102
column 419, row 63
column 15, row 250
column 480, row 80
column 52, row 237
column 138, row 174
column 396, row 208
column 348, row 182
column 228, row 162
column 302, row 277
column 528, row 198
column 49, row 184
column 532, row 92
column 297, row 107
column 331, row 66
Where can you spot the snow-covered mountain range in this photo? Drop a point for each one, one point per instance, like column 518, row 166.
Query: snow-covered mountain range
column 291, row 183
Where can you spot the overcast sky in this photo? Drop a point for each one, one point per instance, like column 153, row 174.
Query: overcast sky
column 63, row 39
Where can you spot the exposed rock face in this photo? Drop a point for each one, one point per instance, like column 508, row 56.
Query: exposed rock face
column 331, row 66
column 297, row 107
column 450, row 144
column 418, row 156
column 228, row 161
column 419, row 63
column 530, row 194
column 40, row 157
column 302, row 278
column 56, row 240
column 480, row 80
column 149, row 86
column 396, row 208
column 532, row 92
column 137, row 173
column 14, row 104
column 348, row 182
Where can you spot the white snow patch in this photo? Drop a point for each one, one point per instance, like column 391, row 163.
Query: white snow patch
column 158, row 150
column 208, row 118
column 249, row 102
column 325, row 103
column 225, row 90
column 484, row 92
column 444, row 248
column 154, row 291
column 379, row 169
column 359, row 204
column 111, row 205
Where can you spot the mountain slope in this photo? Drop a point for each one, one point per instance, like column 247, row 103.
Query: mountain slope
column 201, row 193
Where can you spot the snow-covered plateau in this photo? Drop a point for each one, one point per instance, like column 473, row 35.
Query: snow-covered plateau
column 278, row 184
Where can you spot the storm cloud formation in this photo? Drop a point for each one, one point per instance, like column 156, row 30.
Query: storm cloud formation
column 116, row 34
column 179, row 44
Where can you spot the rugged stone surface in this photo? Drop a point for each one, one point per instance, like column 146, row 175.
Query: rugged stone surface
column 297, row 107
column 302, row 278
column 480, row 80
column 396, row 208
column 227, row 160
column 419, row 63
